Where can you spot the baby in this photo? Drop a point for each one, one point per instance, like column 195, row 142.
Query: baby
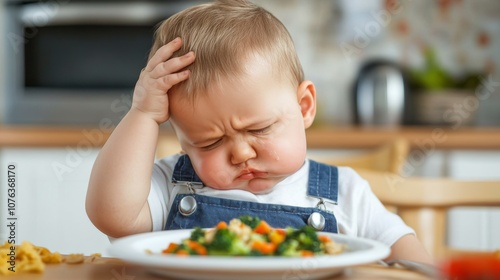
column 227, row 77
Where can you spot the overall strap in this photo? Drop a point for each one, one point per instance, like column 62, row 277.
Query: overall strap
column 323, row 181
column 184, row 171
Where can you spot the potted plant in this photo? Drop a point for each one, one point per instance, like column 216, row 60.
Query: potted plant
column 439, row 98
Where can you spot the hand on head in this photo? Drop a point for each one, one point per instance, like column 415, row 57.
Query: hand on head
column 160, row 74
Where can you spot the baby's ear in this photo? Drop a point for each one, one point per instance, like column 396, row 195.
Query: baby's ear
column 306, row 96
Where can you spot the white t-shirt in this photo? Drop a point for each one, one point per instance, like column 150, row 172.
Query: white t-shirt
column 358, row 212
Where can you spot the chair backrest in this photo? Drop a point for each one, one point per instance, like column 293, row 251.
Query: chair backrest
column 423, row 203
column 388, row 157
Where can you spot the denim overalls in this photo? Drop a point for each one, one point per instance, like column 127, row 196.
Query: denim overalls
column 208, row 211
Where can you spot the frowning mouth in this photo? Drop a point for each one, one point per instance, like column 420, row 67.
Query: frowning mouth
column 251, row 174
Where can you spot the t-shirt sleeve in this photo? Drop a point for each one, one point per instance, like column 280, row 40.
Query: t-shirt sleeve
column 159, row 193
column 365, row 215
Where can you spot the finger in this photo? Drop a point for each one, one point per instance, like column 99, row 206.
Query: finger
column 167, row 82
column 172, row 65
column 164, row 53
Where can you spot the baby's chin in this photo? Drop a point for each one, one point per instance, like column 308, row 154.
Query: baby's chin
column 259, row 186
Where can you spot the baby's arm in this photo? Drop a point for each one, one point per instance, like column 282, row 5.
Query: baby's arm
column 409, row 247
column 121, row 176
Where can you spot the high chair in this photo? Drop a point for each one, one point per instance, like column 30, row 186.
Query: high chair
column 423, row 203
column 389, row 157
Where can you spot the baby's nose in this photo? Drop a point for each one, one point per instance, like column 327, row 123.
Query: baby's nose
column 242, row 152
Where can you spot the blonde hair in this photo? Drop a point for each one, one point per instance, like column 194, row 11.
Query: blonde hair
column 223, row 34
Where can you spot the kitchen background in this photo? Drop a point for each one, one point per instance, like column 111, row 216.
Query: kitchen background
column 446, row 47
column 449, row 49
column 334, row 38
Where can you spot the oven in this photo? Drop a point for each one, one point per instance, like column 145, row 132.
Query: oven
column 73, row 62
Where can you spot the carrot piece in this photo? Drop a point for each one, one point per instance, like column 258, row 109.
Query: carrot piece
column 170, row 249
column 262, row 228
column 197, row 247
column 264, row 247
column 182, row 252
column 324, row 238
column 306, row 253
column 281, row 231
column 221, row 225
column 201, row 250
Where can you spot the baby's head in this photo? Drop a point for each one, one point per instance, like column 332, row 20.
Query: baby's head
column 223, row 35
column 242, row 113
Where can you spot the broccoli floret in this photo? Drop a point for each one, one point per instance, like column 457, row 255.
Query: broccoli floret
column 297, row 240
column 288, row 248
column 226, row 242
column 307, row 238
column 239, row 248
column 259, row 237
column 198, row 235
column 250, row 221
column 223, row 240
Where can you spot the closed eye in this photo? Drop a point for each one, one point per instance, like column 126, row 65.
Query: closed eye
column 212, row 146
column 261, row 130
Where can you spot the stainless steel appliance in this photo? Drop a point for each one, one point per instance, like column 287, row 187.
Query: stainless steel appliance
column 76, row 62
column 380, row 95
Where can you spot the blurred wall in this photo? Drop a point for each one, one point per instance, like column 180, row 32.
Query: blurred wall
column 2, row 63
column 333, row 38
column 314, row 26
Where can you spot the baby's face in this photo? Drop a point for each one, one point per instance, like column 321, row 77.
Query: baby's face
column 246, row 134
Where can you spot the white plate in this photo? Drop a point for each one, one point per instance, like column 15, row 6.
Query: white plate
column 133, row 249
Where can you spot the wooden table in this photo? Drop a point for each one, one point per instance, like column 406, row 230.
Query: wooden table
column 114, row 269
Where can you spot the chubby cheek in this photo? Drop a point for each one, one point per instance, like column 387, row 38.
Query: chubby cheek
column 285, row 156
column 214, row 171
column 287, row 147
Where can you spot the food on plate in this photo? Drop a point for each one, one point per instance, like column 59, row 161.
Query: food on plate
column 251, row 236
